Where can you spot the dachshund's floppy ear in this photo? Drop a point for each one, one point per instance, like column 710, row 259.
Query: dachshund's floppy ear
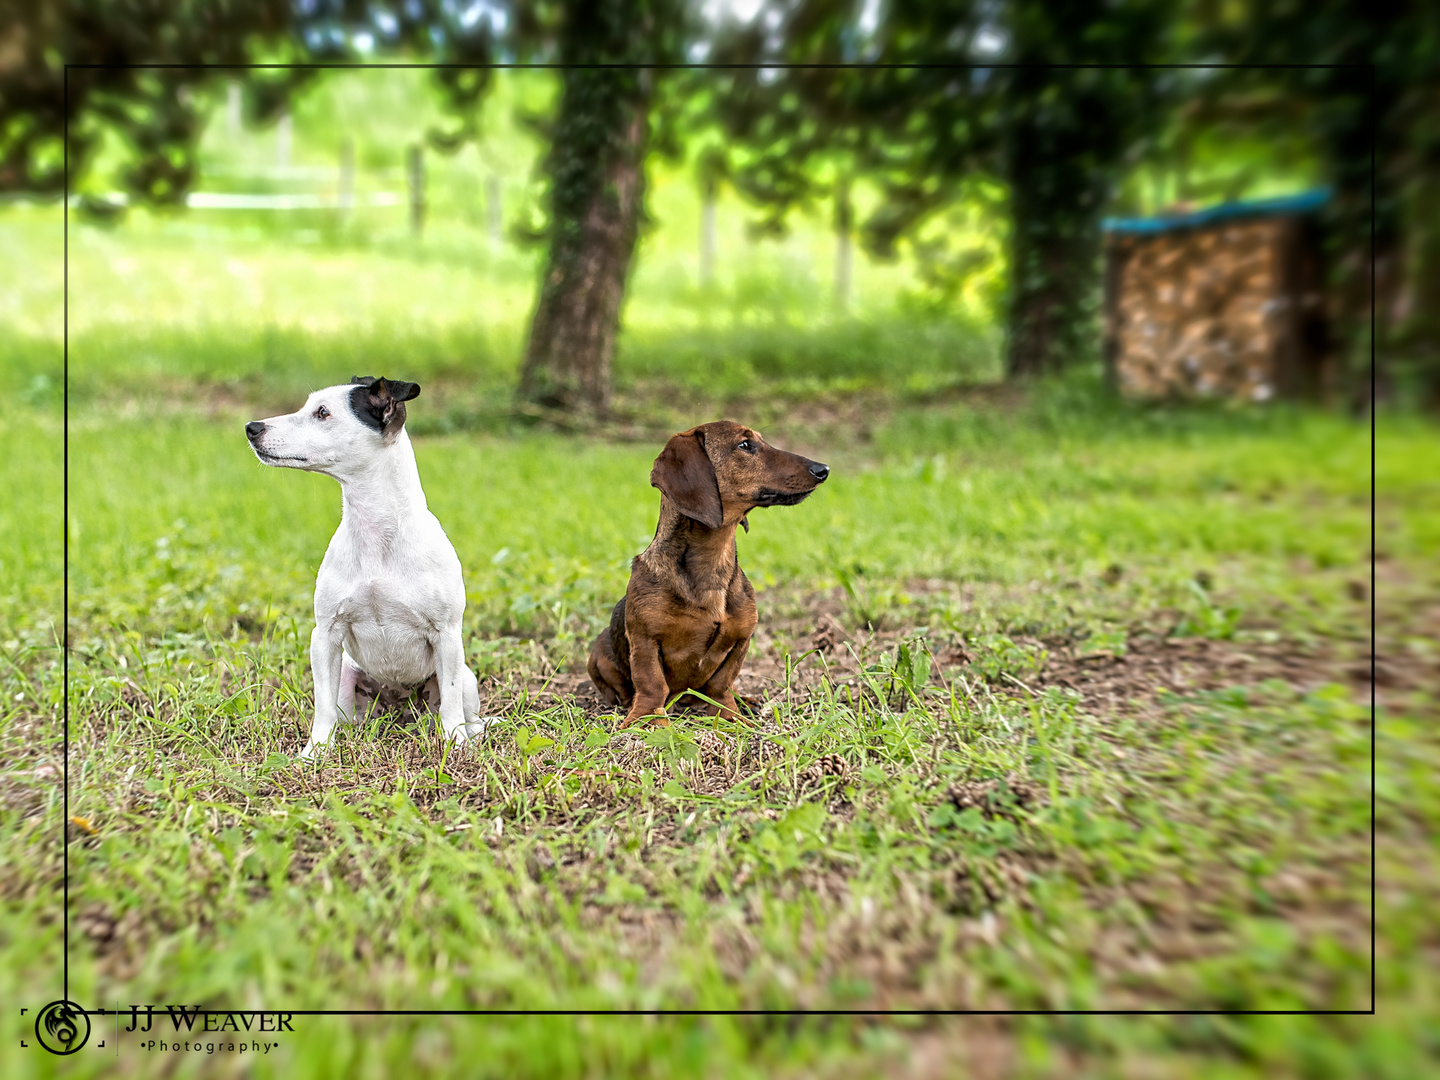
column 380, row 402
column 684, row 475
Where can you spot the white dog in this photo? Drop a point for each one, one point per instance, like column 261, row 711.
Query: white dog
column 389, row 596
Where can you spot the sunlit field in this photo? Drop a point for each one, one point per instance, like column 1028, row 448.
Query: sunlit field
column 1061, row 703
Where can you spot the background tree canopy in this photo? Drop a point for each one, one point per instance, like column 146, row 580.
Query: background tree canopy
column 1046, row 111
column 1055, row 132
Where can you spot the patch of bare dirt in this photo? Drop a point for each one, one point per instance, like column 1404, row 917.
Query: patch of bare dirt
column 1111, row 683
column 1107, row 683
column 647, row 411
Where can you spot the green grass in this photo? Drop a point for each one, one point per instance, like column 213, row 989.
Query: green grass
column 1199, row 839
column 167, row 303
column 223, row 530
column 232, row 875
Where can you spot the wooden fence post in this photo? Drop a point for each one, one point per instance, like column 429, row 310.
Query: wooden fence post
column 232, row 108
column 844, row 222
column 347, row 176
column 415, row 172
column 707, row 232
column 282, row 141
column 493, row 208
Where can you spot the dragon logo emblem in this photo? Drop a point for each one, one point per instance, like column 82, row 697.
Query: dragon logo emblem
column 62, row 1027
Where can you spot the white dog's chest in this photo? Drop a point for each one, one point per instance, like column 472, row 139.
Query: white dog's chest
column 383, row 630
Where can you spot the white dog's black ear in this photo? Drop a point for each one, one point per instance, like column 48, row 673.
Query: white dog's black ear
column 404, row 391
column 380, row 403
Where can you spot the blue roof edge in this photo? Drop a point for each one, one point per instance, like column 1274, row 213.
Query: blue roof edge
column 1303, row 203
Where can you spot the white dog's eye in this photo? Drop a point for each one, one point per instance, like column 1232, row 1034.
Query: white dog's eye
column 322, row 413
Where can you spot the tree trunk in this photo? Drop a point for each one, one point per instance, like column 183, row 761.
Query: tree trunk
column 1417, row 310
column 597, row 192
column 1362, row 267
column 1056, row 271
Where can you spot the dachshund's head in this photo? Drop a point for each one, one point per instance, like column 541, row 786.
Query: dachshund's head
column 717, row 473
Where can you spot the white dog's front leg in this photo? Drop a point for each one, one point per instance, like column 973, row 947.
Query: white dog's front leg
column 350, row 675
column 326, row 660
column 459, row 694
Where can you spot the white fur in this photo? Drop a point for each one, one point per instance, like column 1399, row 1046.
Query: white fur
column 389, row 596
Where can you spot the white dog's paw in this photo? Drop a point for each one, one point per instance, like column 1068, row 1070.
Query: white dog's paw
column 473, row 729
column 312, row 750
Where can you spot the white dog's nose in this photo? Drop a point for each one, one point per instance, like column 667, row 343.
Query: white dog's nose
column 254, row 429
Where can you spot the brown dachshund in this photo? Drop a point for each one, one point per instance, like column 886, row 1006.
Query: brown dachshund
column 689, row 611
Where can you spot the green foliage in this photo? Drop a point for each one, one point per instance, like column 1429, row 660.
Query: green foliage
column 900, row 677
column 1207, row 619
column 1000, row 659
column 1058, row 136
column 1365, row 102
column 674, row 747
column 156, row 111
column 782, row 848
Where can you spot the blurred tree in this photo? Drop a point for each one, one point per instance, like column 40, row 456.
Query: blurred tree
column 49, row 116
column 598, row 140
column 1380, row 92
column 1066, row 136
column 988, row 99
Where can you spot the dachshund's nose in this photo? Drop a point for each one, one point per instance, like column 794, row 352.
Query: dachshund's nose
column 819, row 472
column 254, row 429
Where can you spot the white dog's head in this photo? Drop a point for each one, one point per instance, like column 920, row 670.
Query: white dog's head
column 338, row 429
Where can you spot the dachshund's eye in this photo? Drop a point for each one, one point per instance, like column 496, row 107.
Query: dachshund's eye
column 322, row 413
column 747, row 446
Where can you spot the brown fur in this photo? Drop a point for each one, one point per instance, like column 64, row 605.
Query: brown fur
column 689, row 611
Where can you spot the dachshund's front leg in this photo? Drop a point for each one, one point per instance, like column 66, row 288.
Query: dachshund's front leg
column 648, row 674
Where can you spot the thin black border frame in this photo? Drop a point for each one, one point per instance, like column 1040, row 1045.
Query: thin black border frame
column 336, row 66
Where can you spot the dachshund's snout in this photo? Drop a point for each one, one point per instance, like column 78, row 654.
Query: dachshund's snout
column 819, row 472
column 255, row 428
